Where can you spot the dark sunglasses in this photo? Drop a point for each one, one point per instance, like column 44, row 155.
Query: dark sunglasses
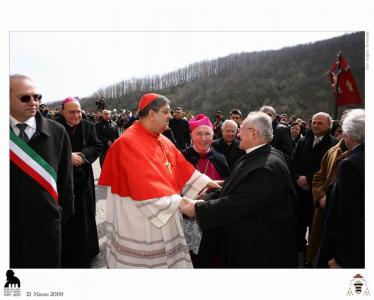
column 27, row 98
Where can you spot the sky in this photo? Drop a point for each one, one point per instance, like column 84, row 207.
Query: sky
column 93, row 43
column 79, row 63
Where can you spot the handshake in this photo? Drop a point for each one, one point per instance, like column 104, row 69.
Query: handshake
column 187, row 207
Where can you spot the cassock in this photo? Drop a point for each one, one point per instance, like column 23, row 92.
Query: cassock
column 146, row 175
column 80, row 242
column 253, row 216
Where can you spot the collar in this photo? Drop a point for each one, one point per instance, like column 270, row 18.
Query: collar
column 30, row 122
column 254, row 148
column 202, row 155
column 155, row 135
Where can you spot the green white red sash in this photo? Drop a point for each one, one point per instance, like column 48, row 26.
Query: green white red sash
column 22, row 155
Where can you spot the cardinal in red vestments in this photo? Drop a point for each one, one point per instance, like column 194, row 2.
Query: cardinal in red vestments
column 146, row 177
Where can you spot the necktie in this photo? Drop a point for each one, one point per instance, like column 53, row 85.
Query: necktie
column 22, row 133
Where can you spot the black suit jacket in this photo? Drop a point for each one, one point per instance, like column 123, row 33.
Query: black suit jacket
column 254, row 213
column 231, row 152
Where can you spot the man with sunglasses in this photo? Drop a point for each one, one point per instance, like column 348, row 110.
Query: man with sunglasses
column 41, row 182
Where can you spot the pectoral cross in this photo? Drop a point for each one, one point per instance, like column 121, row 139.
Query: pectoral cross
column 168, row 164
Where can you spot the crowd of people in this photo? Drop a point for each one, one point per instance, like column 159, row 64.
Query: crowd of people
column 265, row 190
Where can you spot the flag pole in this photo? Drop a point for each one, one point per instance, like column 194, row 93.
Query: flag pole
column 338, row 71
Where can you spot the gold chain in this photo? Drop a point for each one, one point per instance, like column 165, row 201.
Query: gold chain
column 157, row 136
column 206, row 167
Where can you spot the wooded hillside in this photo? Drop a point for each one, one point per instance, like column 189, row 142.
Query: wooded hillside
column 292, row 79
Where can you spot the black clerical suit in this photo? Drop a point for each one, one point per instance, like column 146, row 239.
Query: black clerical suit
column 254, row 213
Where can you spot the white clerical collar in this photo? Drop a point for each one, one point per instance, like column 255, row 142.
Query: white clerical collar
column 254, row 148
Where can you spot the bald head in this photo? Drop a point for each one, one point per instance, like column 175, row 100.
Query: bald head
column 321, row 123
column 105, row 115
column 24, row 97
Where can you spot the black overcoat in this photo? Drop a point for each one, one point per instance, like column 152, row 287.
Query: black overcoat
column 231, row 152
column 307, row 162
column 344, row 231
column 35, row 217
column 254, row 214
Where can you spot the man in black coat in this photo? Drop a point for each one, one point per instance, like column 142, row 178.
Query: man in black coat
column 282, row 135
column 343, row 240
column 107, row 132
column 255, row 211
column 180, row 130
column 307, row 161
column 80, row 241
column 41, row 180
column 228, row 145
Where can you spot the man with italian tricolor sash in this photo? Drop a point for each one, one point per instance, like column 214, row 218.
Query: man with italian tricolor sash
column 41, row 183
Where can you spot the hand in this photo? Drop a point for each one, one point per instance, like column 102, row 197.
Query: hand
column 215, row 184
column 76, row 159
column 184, row 202
column 322, row 202
column 188, row 207
column 333, row 264
column 202, row 194
column 302, row 182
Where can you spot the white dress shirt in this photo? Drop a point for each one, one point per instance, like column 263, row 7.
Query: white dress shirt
column 29, row 130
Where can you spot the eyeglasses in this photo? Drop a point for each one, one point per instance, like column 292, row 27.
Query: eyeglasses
column 202, row 134
column 27, row 98
column 165, row 112
column 73, row 112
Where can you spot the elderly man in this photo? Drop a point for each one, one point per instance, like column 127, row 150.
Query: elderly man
column 228, row 145
column 255, row 219
column 41, row 180
column 207, row 161
column 80, row 240
column 343, row 242
column 107, row 132
column 307, row 161
column 143, row 223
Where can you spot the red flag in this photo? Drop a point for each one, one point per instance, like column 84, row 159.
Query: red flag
column 342, row 80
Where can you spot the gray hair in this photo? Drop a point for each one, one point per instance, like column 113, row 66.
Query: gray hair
column 268, row 108
column 263, row 123
column 354, row 125
column 229, row 122
column 154, row 105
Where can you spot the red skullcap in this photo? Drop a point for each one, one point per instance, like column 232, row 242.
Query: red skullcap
column 146, row 100
column 200, row 119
